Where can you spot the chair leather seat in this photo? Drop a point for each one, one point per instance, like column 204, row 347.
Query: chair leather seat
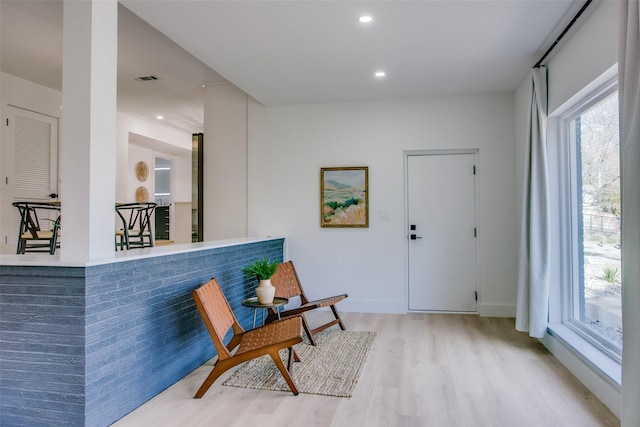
column 278, row 332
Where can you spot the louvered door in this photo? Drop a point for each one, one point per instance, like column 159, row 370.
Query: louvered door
column 30, row 156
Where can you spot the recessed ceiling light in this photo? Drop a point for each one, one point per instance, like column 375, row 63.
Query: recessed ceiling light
column 365, row 19
column 159, row 117
column 380, row 74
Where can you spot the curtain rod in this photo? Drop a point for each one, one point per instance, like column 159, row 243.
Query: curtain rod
column 562, row 34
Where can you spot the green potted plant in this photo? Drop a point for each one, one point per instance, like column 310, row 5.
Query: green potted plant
column 263, row 269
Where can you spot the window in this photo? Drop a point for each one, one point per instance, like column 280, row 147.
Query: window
column 592, row 293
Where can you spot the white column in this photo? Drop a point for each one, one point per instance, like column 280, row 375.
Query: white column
column 88, row 137
column 225, row 162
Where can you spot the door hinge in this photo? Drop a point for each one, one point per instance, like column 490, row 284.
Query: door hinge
column 474, row 169
column 476, row 293
column 6, row 180
column 475, row 232
column 7, row 121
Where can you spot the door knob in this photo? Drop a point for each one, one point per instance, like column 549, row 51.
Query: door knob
column 414, row 237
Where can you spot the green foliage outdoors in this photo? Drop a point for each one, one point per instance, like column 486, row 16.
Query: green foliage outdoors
column 263, row 268
column 610, row 274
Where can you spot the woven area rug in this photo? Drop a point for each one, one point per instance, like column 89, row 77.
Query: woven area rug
column 331, row 368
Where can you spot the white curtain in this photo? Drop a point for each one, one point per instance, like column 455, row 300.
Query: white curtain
column 532, row 308
column 629, row 96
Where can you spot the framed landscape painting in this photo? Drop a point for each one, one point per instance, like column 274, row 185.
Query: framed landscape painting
column 344, row 197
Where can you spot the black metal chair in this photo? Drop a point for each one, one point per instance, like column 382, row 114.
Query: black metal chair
column 39, row 227
column 135, row 231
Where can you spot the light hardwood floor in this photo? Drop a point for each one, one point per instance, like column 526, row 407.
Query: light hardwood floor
column 424, row 370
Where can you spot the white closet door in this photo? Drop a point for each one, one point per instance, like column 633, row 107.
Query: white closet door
column 30, row 157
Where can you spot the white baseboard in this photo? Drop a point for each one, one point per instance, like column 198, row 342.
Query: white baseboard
column 604, row 384
column 399, row 307
column 497, row 310
column 370, row 306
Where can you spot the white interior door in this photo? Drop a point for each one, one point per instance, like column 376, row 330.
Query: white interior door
column 30, row 166
column 442, row 251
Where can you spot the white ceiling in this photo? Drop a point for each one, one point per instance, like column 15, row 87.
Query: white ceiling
column 297, row 51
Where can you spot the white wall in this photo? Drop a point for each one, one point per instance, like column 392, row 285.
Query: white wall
column 181, row 174
column 30, row 96
column 180, row 186
column 225, row 162
column 289, row 145
column 138, row 154
column 182, row 180
column 585, row 55
column 149, row 130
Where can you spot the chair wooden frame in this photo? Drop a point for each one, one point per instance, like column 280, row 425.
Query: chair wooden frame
column 33, row 236
column 287, row 284
column 269, row 339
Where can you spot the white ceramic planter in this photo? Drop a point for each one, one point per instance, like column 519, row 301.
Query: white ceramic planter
column 265, row 292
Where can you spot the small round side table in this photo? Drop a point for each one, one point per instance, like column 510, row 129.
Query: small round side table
column 275, row 305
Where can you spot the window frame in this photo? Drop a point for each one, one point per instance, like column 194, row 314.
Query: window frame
column 568, row 227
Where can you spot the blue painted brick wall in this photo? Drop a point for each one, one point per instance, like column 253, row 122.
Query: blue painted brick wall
column 41, row 346
column 134, row 323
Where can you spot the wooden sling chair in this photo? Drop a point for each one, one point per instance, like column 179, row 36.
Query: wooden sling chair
column 269, row 339
column 287, row 285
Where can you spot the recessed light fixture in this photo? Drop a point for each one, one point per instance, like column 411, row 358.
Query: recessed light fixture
column 380, row 74
column 365, row 19
column 159, row 117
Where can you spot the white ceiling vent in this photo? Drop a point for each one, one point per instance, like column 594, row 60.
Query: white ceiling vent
column 145, row 78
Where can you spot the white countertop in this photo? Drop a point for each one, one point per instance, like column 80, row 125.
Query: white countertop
column 45, row 260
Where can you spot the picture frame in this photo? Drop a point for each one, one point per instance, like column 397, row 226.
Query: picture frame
column 344, row 197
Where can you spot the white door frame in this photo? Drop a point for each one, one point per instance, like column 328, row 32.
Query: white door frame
column 436, row 152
